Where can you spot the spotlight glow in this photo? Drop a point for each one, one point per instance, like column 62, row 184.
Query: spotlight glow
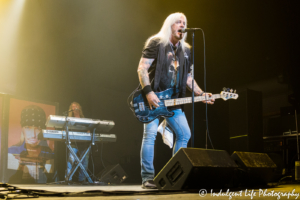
column 10, row 16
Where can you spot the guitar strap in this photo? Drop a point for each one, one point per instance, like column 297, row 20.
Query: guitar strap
column 184, row 73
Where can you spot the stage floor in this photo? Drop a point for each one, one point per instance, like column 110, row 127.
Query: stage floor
column 59, row 192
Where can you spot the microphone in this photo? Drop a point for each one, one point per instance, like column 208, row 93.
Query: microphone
column 184, row 30
column 67, row 111
column 75, row 109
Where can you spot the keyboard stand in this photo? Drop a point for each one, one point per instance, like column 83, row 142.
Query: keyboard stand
column 63, row 122
column 79, row 161
column 78, row 164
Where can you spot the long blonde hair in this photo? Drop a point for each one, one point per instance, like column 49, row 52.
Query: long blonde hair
column 80, row 110
column 165, row 32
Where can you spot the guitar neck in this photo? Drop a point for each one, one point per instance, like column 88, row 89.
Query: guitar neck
column 180, row 101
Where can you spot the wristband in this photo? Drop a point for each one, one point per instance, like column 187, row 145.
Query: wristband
column 147, row 89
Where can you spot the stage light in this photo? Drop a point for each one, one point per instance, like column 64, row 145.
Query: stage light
column 10, row 16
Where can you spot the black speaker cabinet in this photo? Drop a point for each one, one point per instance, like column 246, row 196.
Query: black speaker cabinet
column 246, row 123
column 112, row 174
column 297, row 170
column 254, row 168
column 192, row 168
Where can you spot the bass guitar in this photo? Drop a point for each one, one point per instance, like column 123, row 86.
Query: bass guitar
column 140, row 107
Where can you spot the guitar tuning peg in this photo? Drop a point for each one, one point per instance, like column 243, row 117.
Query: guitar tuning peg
column 224, row 89
column 228, row 89
column 235, row 91
column 231, row 90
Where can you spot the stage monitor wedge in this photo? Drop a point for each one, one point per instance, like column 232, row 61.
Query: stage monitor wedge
column 255, row 168
column 192, row 168
column 113, row 174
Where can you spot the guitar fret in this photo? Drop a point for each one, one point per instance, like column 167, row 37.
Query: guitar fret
column 179, row 101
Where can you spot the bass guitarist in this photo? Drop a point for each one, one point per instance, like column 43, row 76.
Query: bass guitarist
column 167, row 56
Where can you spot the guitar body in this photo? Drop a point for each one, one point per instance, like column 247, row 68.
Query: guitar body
column 142, row 110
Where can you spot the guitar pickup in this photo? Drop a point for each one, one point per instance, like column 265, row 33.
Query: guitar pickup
column 141, row 106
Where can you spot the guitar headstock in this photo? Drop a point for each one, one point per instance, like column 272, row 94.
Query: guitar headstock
column 228, row 93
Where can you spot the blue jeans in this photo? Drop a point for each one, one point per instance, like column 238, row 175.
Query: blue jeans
column 79, row 151
column 182, row 131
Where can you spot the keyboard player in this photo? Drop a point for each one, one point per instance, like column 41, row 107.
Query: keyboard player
column 80, row 147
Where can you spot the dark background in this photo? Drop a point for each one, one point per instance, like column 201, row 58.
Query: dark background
column 88, row 51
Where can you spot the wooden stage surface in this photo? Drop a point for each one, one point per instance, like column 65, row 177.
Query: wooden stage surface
column 49, row 192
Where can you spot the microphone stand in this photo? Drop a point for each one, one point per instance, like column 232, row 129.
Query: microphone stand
column 193, row 94
column 297, row 163
column 297, row 134
column 193, row 80
column 68, row 143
